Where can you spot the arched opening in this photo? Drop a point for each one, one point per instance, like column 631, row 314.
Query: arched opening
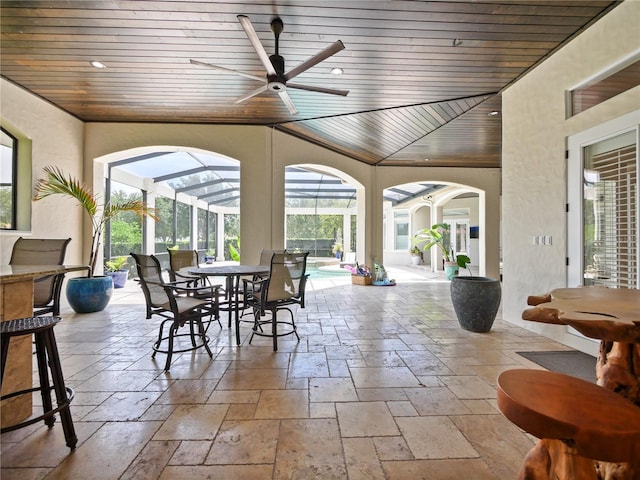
column 195, row 193
column 321, row 212
column 409, row 208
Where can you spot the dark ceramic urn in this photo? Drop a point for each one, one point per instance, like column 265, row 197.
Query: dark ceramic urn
column 476, row 301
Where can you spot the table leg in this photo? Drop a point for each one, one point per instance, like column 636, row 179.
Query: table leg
column 555, row 460
column 236, row 306
column 230, row 297
column 618, row 370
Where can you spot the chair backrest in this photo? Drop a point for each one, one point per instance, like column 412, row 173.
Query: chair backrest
column 181, row 259
column 151, row 281
column 286, row 276
column 41, row 251
column 265, row 256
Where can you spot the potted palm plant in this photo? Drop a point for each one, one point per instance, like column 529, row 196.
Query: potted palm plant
column 90, row 294
column 475, row 299
column 438, row 236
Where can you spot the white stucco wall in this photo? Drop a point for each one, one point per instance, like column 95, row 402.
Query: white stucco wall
column 56, row 139
column 533, row 158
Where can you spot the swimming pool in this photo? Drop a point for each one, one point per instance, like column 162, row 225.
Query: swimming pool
column 324, row 272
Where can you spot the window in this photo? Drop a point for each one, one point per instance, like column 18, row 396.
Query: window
column 183, row 225
column 401, row 221
column 202, row 230
column 125, row 230
column 8, row 170
column 164, row 226
column 206, row 231
column 603, row 88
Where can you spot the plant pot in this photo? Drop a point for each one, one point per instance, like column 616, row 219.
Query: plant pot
column 416, row 259
column 209, row 259
column 119, row 278
column 87, row 295
column 451, row 269
column 476, row 301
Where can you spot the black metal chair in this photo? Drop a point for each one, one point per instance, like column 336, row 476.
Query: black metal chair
column 179, row 305
column 42, row 251
column 180, row 260
column 283, row 288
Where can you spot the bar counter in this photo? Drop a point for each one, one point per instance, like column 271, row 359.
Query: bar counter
column 16, row 301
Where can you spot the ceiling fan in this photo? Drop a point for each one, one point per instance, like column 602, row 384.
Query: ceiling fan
column 276, row 79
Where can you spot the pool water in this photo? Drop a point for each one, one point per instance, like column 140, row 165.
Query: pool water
column 315, row 272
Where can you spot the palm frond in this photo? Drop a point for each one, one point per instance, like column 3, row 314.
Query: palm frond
column 56, row 183
column 134, row 206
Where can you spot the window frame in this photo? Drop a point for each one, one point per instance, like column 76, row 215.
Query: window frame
column 14, row 180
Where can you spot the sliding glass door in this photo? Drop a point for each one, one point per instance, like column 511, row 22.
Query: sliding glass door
column 602, row 222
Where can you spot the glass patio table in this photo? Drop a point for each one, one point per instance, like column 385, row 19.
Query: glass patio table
column 232, row 274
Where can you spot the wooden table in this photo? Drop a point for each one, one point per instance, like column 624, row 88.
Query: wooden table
column 16, row 301
column 613, row 317
column 232, row 274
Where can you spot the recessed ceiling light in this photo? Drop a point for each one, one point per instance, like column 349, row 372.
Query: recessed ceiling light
column 494, row 113
column 427, row 159
column 337, row 71
column 97, row 64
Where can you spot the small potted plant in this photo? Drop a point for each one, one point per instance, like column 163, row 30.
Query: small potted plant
column 337, row 250
column 416, row 255
column 438, row 235
column 210, row 256
column 117, row 270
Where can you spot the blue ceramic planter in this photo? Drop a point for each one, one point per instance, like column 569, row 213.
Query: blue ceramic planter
column 119, row 278
column 86, row 295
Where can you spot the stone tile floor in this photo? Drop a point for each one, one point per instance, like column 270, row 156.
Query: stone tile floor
column 383, row 384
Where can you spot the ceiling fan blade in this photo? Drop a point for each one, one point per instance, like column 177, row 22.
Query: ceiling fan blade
column 227, row 70
column 331, row 91
column 257, row 91
column 317, row 58
column 257, row 45
column 287, row 101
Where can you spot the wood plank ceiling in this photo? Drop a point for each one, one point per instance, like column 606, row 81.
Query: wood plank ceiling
column 423, row 77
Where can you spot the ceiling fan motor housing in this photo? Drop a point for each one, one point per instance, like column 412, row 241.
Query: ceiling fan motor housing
column 278, row 63
column 277, row 82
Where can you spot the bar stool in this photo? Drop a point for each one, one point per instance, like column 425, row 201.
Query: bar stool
column 47, row 358
column 578, row 423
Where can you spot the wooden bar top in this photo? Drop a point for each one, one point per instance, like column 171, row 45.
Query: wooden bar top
column 20, row 273
column 611, row 314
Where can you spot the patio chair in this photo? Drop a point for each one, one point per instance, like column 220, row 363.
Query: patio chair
column 265, row 256
column 179, row 305
column 183, row 259
column 283, row 288
column 42, row 251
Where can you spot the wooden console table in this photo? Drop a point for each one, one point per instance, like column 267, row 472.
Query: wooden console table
column 16, row 301
column 613, row 317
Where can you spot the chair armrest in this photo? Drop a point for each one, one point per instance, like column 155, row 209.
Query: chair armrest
column 202, row 290
column 253, row 286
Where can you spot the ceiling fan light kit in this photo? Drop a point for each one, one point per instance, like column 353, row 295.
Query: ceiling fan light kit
column 276, row 79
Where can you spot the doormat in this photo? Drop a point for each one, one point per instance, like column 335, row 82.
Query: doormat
column 569, row 362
